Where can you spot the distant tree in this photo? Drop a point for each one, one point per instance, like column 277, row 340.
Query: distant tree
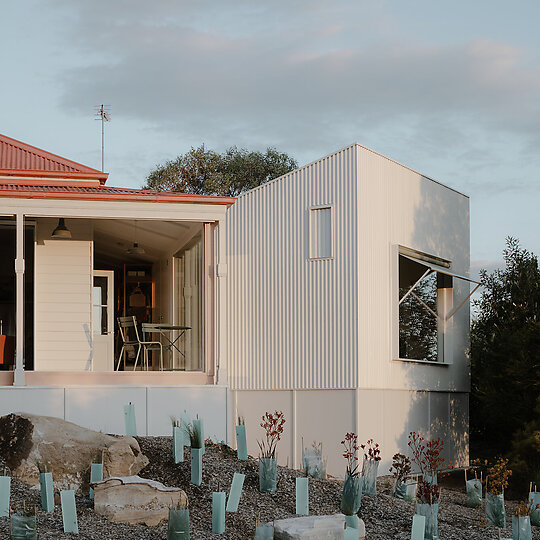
column 505, row 361
column 202, row 171
column 417, row 326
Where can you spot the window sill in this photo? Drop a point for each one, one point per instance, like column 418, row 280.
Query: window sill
column 421, row 362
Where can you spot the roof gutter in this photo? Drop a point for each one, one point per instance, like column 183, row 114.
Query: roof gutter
column 136, row 197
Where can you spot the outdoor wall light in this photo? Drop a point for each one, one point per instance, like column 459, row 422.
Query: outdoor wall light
column 61, row 231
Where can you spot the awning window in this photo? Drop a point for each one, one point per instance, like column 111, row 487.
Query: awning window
column 416, row 271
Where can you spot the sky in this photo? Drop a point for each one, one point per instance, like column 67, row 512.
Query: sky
column 449, row 89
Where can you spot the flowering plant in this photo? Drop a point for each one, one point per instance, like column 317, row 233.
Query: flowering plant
column 351, row 447
column 418, row 450
column 434, row 460
column 427, row 492
column 426, row 455
column 273, row 424
column 373, row 451
column 524, row 508
column 401, row 467
column 497, row 476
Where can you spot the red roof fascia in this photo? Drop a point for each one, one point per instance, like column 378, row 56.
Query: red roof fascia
column 18, row 152
column 108, row 194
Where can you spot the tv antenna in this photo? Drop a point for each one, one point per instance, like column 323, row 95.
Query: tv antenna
column 103, row 113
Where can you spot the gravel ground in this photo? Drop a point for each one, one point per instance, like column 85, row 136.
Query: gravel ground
column 386, row 518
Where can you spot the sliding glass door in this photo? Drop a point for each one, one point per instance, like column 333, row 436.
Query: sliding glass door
column 189, row 305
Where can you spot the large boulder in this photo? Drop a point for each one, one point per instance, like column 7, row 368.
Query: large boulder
column 315, row 528
column 136, row 500
column 29, row 443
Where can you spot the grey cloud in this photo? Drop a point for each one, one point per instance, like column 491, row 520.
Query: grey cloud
column 305, row 76
column 179, row 74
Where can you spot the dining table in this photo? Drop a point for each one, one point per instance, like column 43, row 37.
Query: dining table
column 166, row 330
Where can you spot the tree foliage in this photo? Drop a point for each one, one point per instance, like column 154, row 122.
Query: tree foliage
column 505, row 358
column 205, row 172
column 417, row 326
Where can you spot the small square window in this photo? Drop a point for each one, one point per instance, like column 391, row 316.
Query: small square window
column 320, row 224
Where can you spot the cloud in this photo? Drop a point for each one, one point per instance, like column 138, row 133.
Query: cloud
column 307, row 77
column 176, row 70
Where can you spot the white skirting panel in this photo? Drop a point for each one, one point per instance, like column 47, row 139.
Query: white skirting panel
column 387, row 416
column 102, row 408
column 46, row 401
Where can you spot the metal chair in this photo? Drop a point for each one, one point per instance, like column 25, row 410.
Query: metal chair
column 147, row 330
column 130, row 337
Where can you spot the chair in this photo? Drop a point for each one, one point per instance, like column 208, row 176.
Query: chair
column 147, row 330
column 130, row 337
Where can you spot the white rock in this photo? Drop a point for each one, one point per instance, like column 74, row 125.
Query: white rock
column 314, row 528
column 135, row 500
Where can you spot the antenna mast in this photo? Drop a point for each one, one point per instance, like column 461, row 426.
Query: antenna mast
column 103, row 113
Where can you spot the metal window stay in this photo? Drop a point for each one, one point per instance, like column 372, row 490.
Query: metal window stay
column 433, row 268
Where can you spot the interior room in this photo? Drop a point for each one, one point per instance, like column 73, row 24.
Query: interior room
column 93, row 276
column 154, row 271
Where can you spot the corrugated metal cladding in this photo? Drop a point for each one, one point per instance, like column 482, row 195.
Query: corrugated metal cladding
column 293, row 320
column 18, row 155
column 400, row 207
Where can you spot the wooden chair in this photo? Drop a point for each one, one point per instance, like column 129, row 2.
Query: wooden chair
column 130, row 337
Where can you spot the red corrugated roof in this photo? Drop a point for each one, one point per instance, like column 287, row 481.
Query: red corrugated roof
column 34, row 191
column 21, row 159
column 32, row 173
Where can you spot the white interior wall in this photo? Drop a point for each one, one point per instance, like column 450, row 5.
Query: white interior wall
column 63, row 288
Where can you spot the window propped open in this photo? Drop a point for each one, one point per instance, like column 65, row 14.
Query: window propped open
column 425, row 308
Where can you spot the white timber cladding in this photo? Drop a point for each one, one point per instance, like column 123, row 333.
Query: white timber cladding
column 293, row 319
column 63, row 285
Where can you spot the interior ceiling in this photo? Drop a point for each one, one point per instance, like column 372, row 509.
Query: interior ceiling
column 159, row 239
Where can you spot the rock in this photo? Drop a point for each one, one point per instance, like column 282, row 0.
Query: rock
column 136, row 500
column 315, row 528
column 28, row 442
column 123, row 458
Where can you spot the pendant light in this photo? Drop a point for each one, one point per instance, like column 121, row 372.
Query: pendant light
column 61, row 232
column 135, row 249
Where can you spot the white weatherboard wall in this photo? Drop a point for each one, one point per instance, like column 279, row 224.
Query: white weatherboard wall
column 279, row 298
column 63, row 286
